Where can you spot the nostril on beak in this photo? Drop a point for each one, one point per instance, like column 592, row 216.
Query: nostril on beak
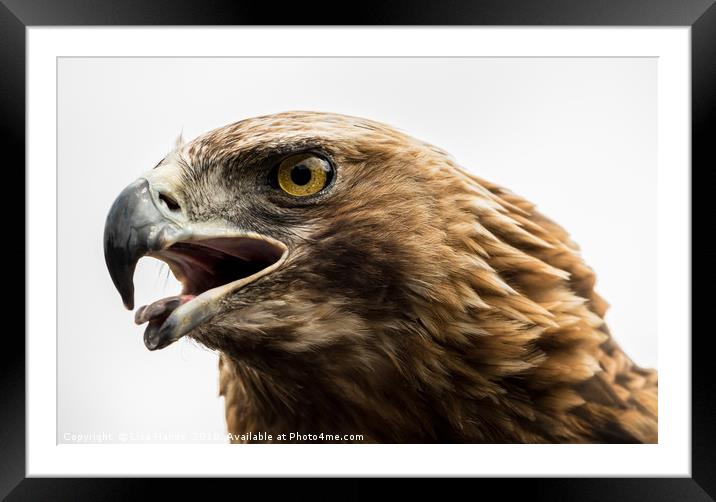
column 169, row 202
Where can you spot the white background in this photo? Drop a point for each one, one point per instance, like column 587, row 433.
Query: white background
column 44, row 457
column 576, row 136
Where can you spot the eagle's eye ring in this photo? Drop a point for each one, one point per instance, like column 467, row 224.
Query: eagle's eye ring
column 303, row 174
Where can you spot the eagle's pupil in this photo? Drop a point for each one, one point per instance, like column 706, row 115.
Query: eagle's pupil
column 300, row 175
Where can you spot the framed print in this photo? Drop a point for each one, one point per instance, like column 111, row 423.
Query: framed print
column 459, row 237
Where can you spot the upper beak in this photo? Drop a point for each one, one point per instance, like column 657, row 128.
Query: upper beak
column 135, row 226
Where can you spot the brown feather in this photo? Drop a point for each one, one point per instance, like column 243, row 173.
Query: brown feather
column 419, row 303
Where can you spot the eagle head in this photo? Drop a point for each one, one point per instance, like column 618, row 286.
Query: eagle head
column 355, row 278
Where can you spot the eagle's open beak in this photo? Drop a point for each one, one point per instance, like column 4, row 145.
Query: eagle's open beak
column 209, row 260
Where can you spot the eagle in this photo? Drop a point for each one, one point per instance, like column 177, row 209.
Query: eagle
column 358, row 282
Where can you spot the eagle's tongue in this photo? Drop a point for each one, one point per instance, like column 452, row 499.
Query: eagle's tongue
column 157, row 312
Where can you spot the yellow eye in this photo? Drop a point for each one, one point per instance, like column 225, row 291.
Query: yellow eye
column 304, row 174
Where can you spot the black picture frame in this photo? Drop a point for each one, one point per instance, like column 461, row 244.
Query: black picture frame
column 17, row 15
